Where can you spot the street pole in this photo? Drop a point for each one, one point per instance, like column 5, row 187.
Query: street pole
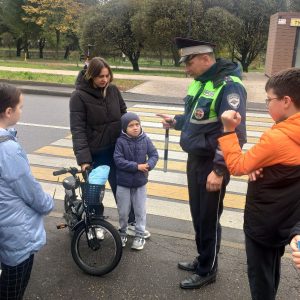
column 166, row 150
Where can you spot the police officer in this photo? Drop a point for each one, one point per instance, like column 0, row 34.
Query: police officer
column 216, row 87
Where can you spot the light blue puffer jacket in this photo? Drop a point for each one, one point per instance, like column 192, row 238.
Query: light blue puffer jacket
column 22, row 205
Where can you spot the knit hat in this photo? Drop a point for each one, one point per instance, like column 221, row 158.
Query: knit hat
column 127, row 118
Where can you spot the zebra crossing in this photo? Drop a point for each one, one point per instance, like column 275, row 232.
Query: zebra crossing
column 167, row 191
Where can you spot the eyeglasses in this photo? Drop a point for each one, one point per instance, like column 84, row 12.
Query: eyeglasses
column 268, row 100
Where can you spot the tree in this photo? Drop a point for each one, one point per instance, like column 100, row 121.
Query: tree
column 218, row 26
column 12, row 16
column 59, row 16
column 250, row 34
column 294, row 5
column 7, row 40
column 110, row 27
column 161, row 21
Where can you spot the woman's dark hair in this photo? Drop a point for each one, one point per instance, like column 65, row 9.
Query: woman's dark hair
column 95, row 67
column 9, row 96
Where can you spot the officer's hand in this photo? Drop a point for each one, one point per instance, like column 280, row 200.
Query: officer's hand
column 256, row 174
column 214, row 182
column 230, row 119
column 168, row 121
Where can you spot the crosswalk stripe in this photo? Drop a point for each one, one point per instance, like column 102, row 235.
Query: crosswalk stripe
column 174, row 142
column 157, row 207
column 64, row 162
column 154, row 189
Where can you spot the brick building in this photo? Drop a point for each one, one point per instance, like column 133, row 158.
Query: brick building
column 283, row 50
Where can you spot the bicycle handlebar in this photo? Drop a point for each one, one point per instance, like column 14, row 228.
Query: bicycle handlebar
column 62, row 171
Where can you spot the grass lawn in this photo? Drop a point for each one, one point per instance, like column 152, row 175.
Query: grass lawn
column 122, row 84
column 60, row 65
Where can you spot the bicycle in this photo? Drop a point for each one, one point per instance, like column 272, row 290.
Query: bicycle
column 96, row 245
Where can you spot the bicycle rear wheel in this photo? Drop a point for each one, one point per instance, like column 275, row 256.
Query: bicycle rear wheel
column 96, row 256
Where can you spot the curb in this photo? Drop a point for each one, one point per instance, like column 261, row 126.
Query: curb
column 37, row 83
column 65, row 90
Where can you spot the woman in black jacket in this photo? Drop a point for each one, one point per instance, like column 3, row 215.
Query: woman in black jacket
column 96, row 107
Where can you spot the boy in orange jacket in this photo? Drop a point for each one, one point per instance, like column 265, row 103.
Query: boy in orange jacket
column 272, row 200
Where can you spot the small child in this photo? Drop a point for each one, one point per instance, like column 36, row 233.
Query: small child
column 22, row 203
column 134, row 156
column 272, row 200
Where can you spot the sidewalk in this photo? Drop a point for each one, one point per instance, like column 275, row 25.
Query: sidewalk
column 169, row 87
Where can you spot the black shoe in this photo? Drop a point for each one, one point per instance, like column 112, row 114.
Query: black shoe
column 188, row 266
column 196, row 281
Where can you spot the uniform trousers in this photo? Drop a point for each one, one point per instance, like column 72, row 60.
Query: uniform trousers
column 206, row 209
column 263, row 269
column 14, row 280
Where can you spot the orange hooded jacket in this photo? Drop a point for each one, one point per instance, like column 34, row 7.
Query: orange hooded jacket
column 272, row 202
column 278, row 145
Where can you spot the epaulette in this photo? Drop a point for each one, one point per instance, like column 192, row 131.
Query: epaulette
column 228, row 79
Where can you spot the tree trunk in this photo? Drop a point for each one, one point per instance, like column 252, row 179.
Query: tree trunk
column 175, row 56
column 245, row 66
column 67, row 52
column 160, row 58
column 57, row 33
column 134, row 59
column 135, row 65
column 42, row 42
column 19, row 47
column 26, row 49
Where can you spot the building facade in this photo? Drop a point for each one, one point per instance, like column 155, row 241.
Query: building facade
column 283, row 50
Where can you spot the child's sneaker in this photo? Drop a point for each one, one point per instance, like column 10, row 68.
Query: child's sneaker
column 123, row 240
column 131, row 231
column 138, row 243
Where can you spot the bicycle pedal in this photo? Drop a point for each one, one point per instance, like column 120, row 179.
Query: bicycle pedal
column 61, row 226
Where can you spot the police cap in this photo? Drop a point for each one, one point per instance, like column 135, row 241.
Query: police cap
column 188, row 48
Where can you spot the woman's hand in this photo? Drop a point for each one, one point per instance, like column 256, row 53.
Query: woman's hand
column 84, row 167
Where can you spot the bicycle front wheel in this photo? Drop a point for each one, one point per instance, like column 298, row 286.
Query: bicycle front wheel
column 97, row 248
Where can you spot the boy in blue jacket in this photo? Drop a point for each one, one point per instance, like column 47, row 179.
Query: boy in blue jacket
column 134, row 156
column 23, row 203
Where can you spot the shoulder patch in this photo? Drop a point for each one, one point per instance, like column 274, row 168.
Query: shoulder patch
column 199, row 113
column 234, row 100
